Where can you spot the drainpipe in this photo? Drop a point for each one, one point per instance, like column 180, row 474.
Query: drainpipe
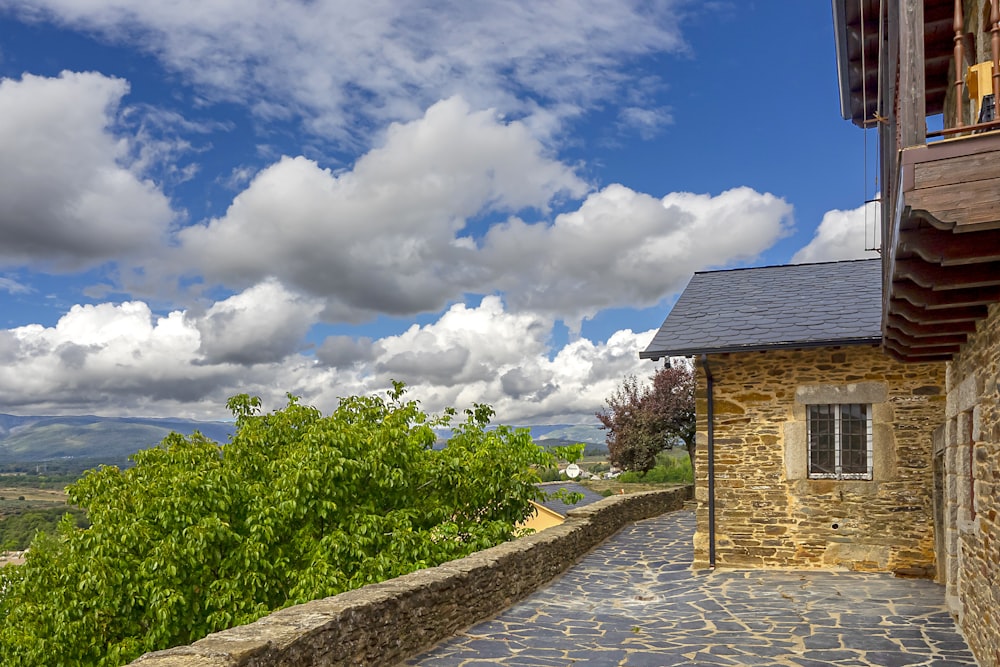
column 711, row 460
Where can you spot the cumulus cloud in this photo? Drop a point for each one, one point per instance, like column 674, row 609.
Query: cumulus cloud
column 342, row 66
column 68, row 198
column 844, row 235
column 102, row 356
column 488, row 354
column 263, row 324
column 624, row 248
column 385, row 237
column 392, row 235
column 345, row 351
column 124, row 359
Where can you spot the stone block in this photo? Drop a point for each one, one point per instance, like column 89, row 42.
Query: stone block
column 964, row 395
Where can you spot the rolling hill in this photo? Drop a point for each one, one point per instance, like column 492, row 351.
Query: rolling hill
column 113, row 439
column 29, row 439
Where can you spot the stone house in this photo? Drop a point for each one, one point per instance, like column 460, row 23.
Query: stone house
column 813, row 447
column 904, row 66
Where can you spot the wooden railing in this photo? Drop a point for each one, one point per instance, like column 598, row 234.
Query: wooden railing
column 958, row 24
column 911, row 104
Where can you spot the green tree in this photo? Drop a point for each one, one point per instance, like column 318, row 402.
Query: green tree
column 197, row 537
column 643, row 419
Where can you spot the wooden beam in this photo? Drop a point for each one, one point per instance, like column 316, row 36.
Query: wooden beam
column 905, row 354
column 966, row 207
column 912, row 115
column 949, row 249
column 931, row 300
column 928, row 330
column 917, row 314
column 926, row 341
column 939, row 278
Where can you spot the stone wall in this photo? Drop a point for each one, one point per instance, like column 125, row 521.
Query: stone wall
column 383, row 624
column 972, row 487
column 768, row 513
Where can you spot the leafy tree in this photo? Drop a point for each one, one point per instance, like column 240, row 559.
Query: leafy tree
column 19, row 528
column 198, row 537
column 643, row 419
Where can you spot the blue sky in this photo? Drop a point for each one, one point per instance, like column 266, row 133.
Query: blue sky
column 493, row 203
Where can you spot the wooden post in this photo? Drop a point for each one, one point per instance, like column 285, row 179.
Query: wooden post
column 912, row 118
column 959, row 26
column 995, row 38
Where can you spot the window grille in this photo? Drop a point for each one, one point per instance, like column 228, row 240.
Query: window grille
column 840, row 441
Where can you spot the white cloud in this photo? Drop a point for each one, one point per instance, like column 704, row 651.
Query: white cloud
column 487, row 354
column 342, row 66
column 844, row 235
column 12, row 286
column 648, row 122
column 123, row 359
column 263, row 324
column 623, row 248
column 390, row 236
column 383, row 237
column 104, row 356
column 68, row 198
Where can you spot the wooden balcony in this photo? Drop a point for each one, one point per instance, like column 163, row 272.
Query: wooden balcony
column 943, row 264
column 900, row 62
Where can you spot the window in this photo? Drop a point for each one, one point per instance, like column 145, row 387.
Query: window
column 840, row 441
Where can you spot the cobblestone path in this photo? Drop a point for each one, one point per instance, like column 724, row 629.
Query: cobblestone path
column 635, row 602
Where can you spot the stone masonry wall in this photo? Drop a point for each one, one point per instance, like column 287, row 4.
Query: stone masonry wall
column 973, row 488
column 383, row 624
column 768, row 513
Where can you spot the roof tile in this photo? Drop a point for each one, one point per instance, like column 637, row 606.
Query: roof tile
column 796, row 305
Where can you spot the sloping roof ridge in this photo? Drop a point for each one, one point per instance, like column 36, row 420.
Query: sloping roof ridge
column 785, row 266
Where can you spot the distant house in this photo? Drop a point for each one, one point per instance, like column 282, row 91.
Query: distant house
column 552, row 512
column 813, row 446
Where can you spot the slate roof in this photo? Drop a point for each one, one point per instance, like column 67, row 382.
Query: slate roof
column 771, row 307
column 558, row 506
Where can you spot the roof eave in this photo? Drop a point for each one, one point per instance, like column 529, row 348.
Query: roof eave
column 656, row 355
column 840, row 38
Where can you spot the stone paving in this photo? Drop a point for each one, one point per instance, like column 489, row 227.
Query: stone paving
column 635, row 602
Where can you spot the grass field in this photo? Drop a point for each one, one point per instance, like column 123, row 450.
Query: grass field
column 13, row 493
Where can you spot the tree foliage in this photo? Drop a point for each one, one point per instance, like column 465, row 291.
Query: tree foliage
column 643, row 419
column 197, row 537
column 18, row 528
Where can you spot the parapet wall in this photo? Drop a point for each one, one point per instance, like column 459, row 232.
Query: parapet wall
column 385, row 623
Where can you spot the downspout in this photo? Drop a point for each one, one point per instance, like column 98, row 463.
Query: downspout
column 711, row 460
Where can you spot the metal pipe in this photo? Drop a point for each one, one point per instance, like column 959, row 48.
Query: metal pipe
column 711, row 460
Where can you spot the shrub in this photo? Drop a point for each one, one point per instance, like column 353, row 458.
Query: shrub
column 668, row 470
column 198, row 537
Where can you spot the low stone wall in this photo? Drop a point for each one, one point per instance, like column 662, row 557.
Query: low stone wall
column 383, row 624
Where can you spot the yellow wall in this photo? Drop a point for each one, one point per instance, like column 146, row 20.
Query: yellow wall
column 542, row 518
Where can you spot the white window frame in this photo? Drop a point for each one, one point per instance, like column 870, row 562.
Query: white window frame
column 838, row 449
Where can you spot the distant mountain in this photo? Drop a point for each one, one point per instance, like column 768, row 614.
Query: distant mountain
column 586, row 433
column 113, row 439
column 566, row 433
column 26, row 439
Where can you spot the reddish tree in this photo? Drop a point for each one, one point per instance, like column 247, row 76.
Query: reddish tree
column 644, row 419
